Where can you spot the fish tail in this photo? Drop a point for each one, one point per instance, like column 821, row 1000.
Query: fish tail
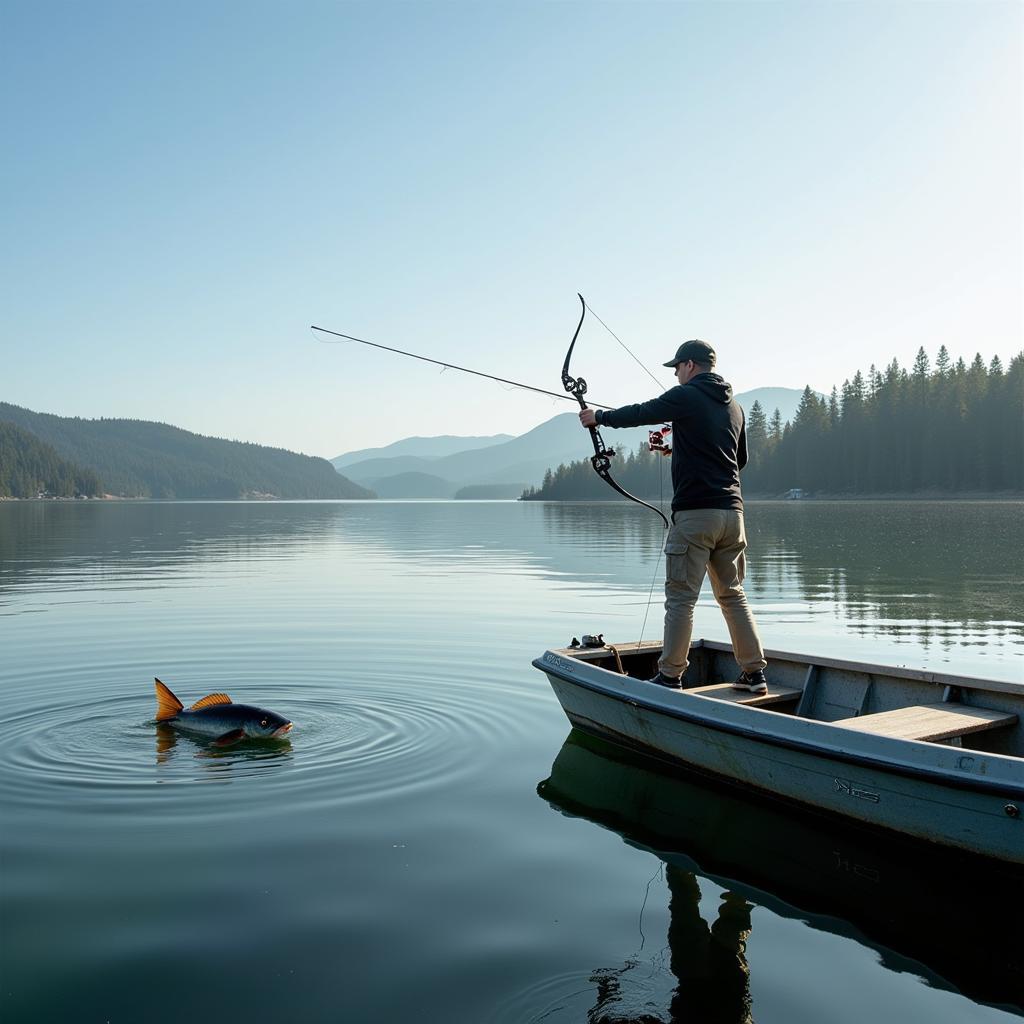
column 167, row 705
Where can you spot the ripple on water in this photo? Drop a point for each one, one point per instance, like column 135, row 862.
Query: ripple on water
column 637, row 990
column 353, row 740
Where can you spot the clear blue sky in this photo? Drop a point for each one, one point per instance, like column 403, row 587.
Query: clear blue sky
column 186, row 187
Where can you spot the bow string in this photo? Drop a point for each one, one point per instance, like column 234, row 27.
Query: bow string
column 601, row 460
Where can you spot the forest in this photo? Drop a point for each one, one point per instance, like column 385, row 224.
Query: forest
column 29, row 468
column 948, row 428
column 143, row 459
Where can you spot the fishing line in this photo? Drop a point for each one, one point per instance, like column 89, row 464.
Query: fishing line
column 661, row 474
column 647, row 892
column 650, row 593
column 664, row 545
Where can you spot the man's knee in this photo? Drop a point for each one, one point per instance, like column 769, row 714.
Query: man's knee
column 731, row 595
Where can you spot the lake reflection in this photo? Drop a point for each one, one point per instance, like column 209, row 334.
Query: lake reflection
column 391, row 861
column 840, row 879
column 935, row 573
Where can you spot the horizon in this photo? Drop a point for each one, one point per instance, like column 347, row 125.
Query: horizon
column 430, row 437
column 190, row 188
column 412, row 437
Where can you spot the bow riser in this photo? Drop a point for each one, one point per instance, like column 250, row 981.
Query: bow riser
column 601, row 460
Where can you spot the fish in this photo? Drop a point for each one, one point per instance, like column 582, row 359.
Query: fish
column 217, row 717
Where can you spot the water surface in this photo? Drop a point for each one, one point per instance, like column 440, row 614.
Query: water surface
column 395, row 858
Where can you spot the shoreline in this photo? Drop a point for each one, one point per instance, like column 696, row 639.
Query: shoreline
column 924, row 496
column 990, row 497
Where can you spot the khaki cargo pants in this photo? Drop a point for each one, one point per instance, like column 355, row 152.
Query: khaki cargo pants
column 707, row 542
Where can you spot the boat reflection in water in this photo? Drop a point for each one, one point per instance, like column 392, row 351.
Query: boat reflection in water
column 951, row 918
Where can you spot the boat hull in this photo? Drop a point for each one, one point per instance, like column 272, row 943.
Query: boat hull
column 962, row 799
column 950, row 916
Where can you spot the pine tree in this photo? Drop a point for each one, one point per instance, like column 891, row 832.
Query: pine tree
column 757, row 434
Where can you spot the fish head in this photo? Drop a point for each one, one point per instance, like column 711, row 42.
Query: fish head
column 265, row 725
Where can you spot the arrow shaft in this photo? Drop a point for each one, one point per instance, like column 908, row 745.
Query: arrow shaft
column 453, row 366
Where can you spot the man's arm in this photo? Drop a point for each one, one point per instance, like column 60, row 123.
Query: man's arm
column 665, row 408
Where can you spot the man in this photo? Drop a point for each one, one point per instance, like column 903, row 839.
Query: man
column 707, row 537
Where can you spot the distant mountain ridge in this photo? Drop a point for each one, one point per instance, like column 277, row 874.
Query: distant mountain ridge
column 421, row 447
column 140, row 458
column 521, row 459
column 411, row 468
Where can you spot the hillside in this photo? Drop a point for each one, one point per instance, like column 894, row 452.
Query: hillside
column 403, row 485
column 138, row 458
column 28, row 468
column 422, row 447
column 523, row 458
column 404, row 469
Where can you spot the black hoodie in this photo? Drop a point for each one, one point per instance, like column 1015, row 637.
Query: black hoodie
column 709, row 440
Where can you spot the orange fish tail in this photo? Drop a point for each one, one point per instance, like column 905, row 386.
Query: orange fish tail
column 167, row 705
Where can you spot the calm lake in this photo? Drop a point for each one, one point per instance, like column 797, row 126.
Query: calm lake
column 430, row 843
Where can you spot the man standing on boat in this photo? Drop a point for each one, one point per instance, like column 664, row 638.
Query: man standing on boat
column 707, row 536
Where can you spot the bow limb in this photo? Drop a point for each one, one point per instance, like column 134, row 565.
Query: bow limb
column 601, row 460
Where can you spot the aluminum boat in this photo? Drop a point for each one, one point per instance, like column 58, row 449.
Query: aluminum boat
column 938, row 757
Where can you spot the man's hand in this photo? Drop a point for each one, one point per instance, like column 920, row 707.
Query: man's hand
column 588, row 418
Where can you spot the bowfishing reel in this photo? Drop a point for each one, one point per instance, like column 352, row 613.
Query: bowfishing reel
column 659, row 441
column 589, row 640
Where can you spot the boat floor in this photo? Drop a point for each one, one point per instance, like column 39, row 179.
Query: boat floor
column 724, row 691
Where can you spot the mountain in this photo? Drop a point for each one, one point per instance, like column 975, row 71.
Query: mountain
column 419, row 485
column 416, row 468
column 521, row 459
column 786, row 400
column 139, row 458
column 421, row 447
column 28, row 468
column 490, row 492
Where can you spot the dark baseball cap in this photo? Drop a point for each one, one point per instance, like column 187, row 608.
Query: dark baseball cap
column 697, row 350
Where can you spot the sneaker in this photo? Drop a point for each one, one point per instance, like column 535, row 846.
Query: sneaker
column 754, row 682
column 672, row 682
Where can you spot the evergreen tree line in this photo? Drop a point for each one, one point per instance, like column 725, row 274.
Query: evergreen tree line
column 28, row 468
column 949, row 428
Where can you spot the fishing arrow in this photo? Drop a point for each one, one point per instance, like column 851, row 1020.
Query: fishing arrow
column 450, row 366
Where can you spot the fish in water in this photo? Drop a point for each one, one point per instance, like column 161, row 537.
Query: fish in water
column 216, row 717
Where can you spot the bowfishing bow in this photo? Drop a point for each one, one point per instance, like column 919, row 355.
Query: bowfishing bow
column 601, row 460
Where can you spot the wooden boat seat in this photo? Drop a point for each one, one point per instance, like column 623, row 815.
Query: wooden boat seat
column 724, row 691
column 929, row 721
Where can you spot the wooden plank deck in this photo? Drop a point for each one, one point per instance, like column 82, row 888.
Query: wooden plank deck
column 929, row 721
column 596, row 653
column 724, row 691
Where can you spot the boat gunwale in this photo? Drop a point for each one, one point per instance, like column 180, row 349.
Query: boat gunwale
column 587, row 654
column 934, row 774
